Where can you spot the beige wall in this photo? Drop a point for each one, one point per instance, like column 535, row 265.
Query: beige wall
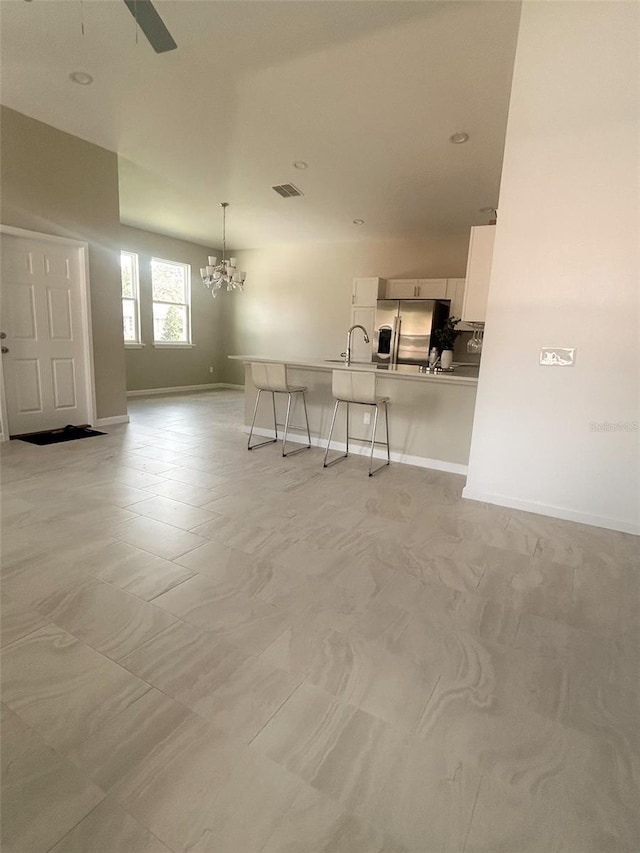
column 565, row 273
column 56, row 183
column 297, row 301
column 167, row 368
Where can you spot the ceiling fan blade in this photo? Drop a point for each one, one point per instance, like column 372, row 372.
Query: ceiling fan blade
column 151, row 25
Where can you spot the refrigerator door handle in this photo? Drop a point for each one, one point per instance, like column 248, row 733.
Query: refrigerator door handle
column 397, row 323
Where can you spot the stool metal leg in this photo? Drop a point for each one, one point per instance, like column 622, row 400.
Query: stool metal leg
column 326, row 453
column 347, row 442
column 306, row 416
column 372, row 470
column 286, row 426
column 386, row 426
column 255, row 412
column 373, row 441
column 275, row 419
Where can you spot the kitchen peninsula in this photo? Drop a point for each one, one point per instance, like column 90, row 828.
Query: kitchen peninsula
column 430, row 416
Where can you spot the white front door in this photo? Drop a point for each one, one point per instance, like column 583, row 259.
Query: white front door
column 43, row 318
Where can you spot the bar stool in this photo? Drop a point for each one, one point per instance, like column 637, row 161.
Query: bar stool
column 358, row 387
column 272, row 376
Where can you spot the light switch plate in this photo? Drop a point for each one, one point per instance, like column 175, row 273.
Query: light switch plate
column 557, row 356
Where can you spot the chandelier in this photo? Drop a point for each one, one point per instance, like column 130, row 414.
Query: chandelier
column 216, row 275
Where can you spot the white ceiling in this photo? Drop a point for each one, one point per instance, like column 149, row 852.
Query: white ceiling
column 366, row 92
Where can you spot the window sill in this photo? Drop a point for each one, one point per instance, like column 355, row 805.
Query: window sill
column 169, row 345
column 132, row 345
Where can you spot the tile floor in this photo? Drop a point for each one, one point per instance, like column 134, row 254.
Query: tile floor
column 205, row 649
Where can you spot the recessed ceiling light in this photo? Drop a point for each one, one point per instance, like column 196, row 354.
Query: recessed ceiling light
column 299, row 164
column 459, row 137
column 358, row 221
column 81, row 77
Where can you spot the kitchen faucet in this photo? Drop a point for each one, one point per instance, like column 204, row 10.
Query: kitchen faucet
column 431, row 368
column 347, row 354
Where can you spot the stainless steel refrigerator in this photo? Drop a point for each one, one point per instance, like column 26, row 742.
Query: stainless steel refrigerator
column 404, row 329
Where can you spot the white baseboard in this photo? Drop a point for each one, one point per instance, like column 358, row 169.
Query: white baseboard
column 425, row 462
column 229, row 385
column 178, row 389
column 116, row 419
column 363, row 449
column 563, row 513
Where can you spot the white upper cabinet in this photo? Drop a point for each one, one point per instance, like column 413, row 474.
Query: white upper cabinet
column 402, row 288
column 478, row 273
column 432, row 288
column 455, row 293
column 366, row 291
column 417, row 288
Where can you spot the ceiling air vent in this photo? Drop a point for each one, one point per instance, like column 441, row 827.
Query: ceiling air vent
column 287, row 190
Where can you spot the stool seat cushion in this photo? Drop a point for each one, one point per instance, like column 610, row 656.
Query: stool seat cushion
column 272, row 376
column 355, row 387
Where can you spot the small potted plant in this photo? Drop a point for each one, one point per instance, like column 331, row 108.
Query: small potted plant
column 445, row 339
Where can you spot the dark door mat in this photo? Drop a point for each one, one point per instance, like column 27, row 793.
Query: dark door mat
column 55, row 436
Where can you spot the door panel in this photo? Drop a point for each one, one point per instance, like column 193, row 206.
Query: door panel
column 59, row 314
column 29, row 385
column 64, row 383
column 21, row 311
column 57, row 264
column 44, row 368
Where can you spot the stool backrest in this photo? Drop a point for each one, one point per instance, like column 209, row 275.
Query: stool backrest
column 269, row 375
column 354, row 386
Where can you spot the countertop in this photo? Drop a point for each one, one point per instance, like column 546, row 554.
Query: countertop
column 464, row 374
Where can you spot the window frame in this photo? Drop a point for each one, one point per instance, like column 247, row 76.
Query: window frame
column 173, row 344
column 135, row 299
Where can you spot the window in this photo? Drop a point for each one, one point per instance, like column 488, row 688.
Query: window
column 171, row 287
column 130, row 297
